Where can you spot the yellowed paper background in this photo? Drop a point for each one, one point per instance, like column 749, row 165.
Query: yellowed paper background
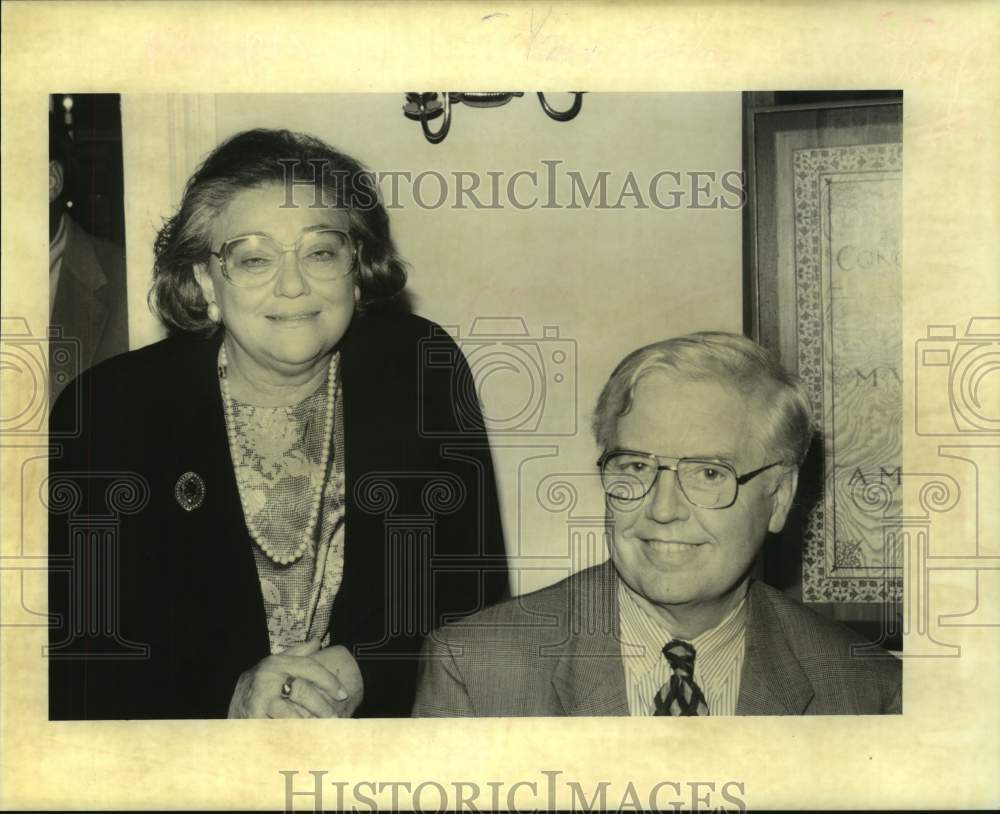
column 941, row 753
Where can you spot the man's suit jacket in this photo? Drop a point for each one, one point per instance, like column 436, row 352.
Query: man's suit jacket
column 556, row 652
column 182, row 613
column 90, row 308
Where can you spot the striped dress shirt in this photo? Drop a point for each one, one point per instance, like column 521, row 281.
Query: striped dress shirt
column 718, row 656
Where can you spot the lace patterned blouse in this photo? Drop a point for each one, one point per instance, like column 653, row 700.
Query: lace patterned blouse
column 277, row 459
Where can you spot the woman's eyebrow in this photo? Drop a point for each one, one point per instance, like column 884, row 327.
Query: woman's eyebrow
column 305, row 230
column 321, row 226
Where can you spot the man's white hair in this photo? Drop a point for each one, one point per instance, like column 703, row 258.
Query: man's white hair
column 730, row 359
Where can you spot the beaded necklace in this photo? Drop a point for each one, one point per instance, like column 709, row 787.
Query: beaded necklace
column 332, row 392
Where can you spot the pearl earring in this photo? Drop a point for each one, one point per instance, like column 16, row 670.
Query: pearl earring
column 214, row 313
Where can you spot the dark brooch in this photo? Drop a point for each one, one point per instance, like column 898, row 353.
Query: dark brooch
column 190, row 491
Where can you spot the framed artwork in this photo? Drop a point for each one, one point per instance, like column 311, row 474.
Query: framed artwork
column 823, row 272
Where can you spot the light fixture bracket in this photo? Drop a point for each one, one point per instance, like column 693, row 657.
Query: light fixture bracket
column 426, row 107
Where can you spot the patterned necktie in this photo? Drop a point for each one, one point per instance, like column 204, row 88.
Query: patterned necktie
column 680, row 695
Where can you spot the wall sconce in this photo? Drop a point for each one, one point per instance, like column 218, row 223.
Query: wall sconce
column 423, row 107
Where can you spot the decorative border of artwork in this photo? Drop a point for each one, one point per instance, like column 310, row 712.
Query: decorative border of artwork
column 844, row 136
column 812, row 169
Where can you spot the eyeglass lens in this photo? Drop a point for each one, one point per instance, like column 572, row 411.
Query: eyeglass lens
column 630, row 476
column 324, row 254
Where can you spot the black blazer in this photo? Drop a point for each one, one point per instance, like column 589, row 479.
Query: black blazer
column 157, row 609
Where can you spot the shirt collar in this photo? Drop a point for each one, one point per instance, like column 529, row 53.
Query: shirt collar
column 643, row 635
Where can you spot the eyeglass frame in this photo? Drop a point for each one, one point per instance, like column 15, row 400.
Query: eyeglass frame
column 739, row 479
column 285, row 249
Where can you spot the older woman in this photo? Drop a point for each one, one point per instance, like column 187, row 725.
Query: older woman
column 305, row 497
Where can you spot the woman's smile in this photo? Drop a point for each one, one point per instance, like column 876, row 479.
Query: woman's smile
column 293, row 320
column 290, row 325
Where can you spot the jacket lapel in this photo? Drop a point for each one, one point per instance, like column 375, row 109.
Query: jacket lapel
column 589, row 678
column 366, row 436
column 78, row 308
column 200, row 444
column 772, row 681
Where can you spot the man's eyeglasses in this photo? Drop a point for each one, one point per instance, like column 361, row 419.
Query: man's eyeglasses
column 629, row 476
column 252, row 260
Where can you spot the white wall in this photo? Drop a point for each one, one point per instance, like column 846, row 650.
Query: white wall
column 606, row 280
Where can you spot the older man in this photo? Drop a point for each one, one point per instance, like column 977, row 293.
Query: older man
column 703, row 436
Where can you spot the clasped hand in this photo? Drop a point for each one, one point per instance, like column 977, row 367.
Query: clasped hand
column 324, row 683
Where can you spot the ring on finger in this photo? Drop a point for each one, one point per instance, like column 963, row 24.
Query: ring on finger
column 286, row 688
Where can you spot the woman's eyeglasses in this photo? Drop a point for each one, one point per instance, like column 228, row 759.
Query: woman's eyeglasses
column 252, row 260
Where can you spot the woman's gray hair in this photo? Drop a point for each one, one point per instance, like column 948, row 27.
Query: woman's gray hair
column 250, row 160
column 730, row 359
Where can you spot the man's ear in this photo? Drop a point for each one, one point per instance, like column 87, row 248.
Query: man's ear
column 204, row 279
column 56, row 180
column 783, row 496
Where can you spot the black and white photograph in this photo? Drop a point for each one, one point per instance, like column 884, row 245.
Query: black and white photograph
column 368, row 424
column 323, row 428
